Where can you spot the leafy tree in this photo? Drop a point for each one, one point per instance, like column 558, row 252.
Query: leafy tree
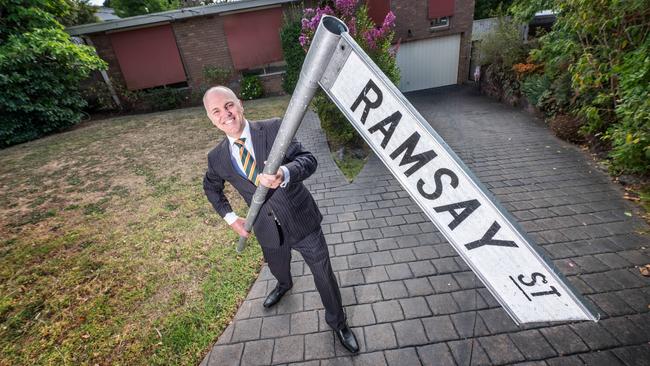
column 489, row 8
column 129, row 8
column 40, row 71
column 81, row 12
column 294, row 55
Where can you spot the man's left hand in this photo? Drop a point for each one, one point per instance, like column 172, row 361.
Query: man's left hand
column 272, row 181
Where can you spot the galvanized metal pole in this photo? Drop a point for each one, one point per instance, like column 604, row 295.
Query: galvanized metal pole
column 318, row 57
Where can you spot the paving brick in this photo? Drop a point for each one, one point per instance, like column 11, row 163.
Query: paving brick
column 387, row 243
column 634, row 356
column 425, row 252
column 443, row 283
column 393, row 290
column 375, row 274
column 469, row 353
column 367, row 293
column 339, row 263
column 369, row 359
column 351, row 277
column 257, row 352
column 304, row 322
column 319, row 345
column 611, row 304
column 439, row 328
column 497, row 320
column 360, row 315
column 399, row 271
column 442, row 304
column 276, row 326
column 624, row 330
column 469, row 300
column 380, row 337
column 403, row 255
column 501, row 349
column 422, row 268
column 359, row 260
column 410, row 332
column 226, row 355
column 565, row 361
column 289, row 349
column 594, row 335
column 469, row 325
column 312, row 301
column 401, row 357
column 381, row 258
column 533, row 345
column 365, row 246
column 418, row 287
column 564, row 340
column 246, row 330
column 436, row 355
column 290, row 303
column 387, row 311
column 603, row 358
column 347, row 296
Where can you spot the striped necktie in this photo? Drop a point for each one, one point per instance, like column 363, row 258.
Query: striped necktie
column 247, row 161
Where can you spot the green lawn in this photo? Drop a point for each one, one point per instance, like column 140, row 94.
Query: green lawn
column 109, row 251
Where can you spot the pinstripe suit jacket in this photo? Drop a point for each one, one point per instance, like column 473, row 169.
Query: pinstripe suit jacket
column 292, row 206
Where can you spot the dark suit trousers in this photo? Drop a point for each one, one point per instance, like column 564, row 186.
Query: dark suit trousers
column 313, row 249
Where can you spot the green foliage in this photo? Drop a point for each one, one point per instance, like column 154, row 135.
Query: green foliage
column 503, row 46
column 40, row 73
column 489, row 8
column 81, row 12
column 375, row 41
column 130, row 8
column 215, row 75
column 597, row 58
column 294, row 55
column 251, row 87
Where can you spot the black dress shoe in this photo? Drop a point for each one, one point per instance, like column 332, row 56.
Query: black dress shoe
column 347, row 338
column 274, row 297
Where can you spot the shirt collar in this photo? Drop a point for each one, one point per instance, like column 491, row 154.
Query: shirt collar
column 246, row 133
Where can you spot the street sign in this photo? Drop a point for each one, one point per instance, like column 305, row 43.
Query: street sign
column 526, row 284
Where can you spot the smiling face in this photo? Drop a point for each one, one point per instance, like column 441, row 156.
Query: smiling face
column 225, row 111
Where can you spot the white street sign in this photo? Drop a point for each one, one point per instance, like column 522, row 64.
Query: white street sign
column 492, row 244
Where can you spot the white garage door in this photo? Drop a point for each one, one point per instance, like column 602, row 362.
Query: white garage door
column 428, row 63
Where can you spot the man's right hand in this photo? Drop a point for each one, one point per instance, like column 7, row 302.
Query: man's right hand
column 238, row 226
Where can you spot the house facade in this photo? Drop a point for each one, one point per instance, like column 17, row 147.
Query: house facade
column 174, row 48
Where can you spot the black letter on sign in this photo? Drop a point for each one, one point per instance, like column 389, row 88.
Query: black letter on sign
column 436, row 177
column 467, row 206
column 487, row 239
column 419, row 159
column 393, row 119
column 368, row 103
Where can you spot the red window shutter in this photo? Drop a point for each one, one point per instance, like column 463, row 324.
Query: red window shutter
column 148, row 57
column 441, row 8
column 377, row 10
column 254, row 37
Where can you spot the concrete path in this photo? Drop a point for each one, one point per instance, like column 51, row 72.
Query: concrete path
column 410, row 298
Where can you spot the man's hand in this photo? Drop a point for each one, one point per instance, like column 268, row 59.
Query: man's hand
column 238, row 226
column 272, row 181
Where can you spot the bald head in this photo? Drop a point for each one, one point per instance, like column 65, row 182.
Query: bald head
column 220, row 89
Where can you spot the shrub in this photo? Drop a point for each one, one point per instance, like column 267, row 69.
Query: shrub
column 40, row 73
column 294, row 55
column 503, row 45
column 596, row 56
column 566, row 127
column 375, row 41
column 215, row 75
column 251, row 87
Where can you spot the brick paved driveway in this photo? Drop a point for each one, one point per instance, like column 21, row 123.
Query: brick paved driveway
column 411, row 300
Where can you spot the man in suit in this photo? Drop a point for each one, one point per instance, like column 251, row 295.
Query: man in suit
column 289, row 218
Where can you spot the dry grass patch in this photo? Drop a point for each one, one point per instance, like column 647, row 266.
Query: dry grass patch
column 109, row 251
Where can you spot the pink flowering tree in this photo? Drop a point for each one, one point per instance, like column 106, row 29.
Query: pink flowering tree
column 375, row 40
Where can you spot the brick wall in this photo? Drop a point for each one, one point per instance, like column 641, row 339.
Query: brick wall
column 413, row 15
column 201, row 42
column 105, row 51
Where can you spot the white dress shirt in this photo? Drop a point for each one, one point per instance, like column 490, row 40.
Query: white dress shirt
column 231, row 217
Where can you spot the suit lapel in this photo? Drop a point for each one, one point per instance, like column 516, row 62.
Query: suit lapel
column 259, row 145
